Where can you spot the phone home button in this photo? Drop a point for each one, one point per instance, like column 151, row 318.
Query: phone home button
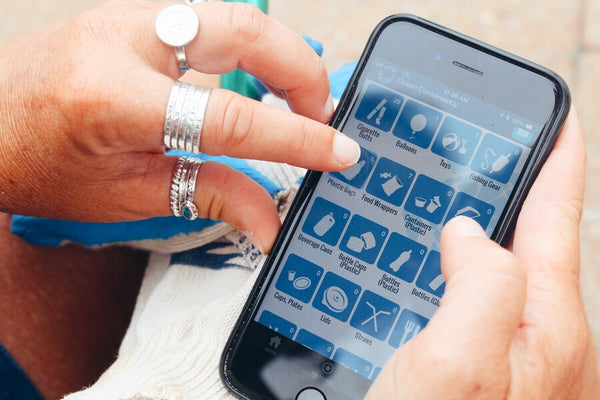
column 310, row 393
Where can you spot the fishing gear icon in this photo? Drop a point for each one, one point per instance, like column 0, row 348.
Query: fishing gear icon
column 493, row 162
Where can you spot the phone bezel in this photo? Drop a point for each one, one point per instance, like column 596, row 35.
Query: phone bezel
column 504, row 229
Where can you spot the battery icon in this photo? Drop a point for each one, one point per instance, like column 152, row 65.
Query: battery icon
column 522, row 135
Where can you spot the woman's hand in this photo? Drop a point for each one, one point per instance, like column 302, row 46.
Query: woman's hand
column 83, row 108
column 511, row 323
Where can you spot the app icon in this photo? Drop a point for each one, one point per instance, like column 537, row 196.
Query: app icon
column 299, row 278
column 408, row 327
column 357, row 174
column 429, row 199
column 496, row 158
column 326, row 221
column 374, row 315
column 402, row 257
column 336, row 296
column 277, row 324
column 314, row 342
column 390, row 181
column 471, row 207
column 379, row 107
column 456, row 141
column 363, row 239
column 353, row 362
column 430, row 278
column 417, row 124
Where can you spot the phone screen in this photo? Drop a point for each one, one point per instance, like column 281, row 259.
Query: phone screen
column 360, row 272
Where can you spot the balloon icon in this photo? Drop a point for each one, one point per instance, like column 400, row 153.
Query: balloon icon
column 417, row 124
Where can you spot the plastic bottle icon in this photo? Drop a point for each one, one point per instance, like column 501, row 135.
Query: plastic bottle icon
column 401, row 260
column 324, row 225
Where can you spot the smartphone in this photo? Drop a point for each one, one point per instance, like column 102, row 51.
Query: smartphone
column 448, row 126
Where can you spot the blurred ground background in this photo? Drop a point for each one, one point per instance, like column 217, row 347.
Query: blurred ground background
column 563, row 35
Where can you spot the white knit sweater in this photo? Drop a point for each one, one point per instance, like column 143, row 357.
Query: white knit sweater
column 192, row 293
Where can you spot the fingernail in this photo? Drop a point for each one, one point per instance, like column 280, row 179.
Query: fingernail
column 345, row 149
column 467, row 227
column 329, row 108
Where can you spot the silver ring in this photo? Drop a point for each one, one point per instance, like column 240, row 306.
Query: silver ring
column 183, row 187
column 177, row 25
column 185, row 117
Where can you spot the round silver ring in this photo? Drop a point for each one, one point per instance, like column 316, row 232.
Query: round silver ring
column 184, row 118
column 177, row 25
column 175, row 183
column 183, row 187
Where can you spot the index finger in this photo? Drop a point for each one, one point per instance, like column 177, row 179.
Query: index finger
column 237, row 35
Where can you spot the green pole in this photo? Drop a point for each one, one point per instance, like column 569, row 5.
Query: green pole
column 240, row 81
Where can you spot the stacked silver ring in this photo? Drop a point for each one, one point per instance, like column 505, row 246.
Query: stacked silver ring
column 183, row 186
column 185, row 116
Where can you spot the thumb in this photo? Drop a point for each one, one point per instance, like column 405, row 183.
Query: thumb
column 464, row 349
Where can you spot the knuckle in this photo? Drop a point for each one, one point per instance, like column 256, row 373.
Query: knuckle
column 248, row 23
column 214, row 202
column 237, row 123
column 302, row 138
column 84, row 98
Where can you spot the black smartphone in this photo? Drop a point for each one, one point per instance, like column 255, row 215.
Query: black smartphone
column 448, row 126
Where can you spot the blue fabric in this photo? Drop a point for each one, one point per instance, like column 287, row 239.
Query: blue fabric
column 52, row 232
column 14, row 383
column 210, row 255
column 339, row 78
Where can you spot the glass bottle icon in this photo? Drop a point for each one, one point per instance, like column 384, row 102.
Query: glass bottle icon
column 436, row 282
column 324, row 225
column 401, row 260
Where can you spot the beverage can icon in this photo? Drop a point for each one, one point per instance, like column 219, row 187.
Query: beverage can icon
column 324, row 224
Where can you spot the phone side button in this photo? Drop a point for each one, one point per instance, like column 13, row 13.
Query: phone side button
column 310, row 393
